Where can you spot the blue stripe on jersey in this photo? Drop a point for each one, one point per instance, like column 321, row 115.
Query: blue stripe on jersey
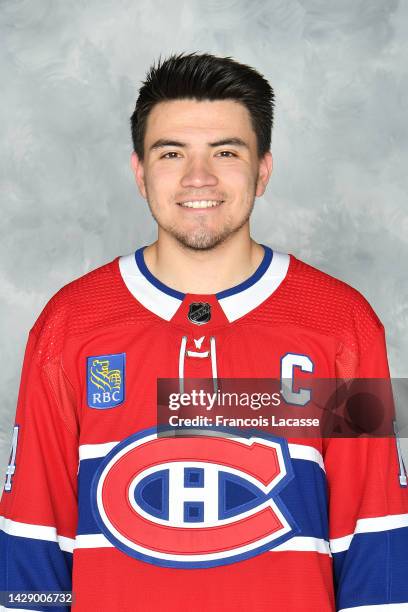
column 363, row 570
column 152, row 279
column 34, row 565
column 86, row 520
column 260, row 271
column 305, row 497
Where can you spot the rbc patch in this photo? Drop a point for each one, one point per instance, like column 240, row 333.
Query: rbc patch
column 106, row 381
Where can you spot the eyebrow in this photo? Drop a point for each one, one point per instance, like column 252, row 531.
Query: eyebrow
column 163, row 142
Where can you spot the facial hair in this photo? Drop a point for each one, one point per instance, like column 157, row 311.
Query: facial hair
column 201, row 238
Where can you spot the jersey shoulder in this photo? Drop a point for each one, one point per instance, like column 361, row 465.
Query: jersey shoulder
column 97, row 299
column 321, row 290
column 313, row 299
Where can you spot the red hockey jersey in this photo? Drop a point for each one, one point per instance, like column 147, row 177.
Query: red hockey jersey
column 97, row 502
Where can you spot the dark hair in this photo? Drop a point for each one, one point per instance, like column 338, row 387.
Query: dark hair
column 205, row 77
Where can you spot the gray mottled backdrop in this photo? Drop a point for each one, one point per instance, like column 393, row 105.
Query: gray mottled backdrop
column 70, row 71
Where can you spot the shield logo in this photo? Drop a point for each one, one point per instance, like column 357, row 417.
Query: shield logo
column 199, row 313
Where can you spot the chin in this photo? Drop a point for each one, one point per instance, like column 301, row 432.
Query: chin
column 201, row 241
column 199, row 245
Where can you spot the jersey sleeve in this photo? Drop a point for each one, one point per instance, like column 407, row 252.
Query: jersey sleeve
column 38, row 507
column 368, row 505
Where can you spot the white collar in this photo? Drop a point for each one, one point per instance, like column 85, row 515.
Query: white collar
column 235, row 302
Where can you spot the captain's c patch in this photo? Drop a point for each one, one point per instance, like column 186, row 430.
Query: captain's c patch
column 106, row 380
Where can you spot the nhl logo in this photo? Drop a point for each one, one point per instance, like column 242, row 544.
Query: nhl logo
column 199, row 313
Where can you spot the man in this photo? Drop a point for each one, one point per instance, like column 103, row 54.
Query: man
column 139, row 521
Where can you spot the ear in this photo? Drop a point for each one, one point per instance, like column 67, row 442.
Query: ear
column 138, row 171
column 264, row 173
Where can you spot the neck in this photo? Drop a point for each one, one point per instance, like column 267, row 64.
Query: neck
column 203, row 272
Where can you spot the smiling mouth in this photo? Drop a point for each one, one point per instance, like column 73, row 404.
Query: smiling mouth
column 200, row 204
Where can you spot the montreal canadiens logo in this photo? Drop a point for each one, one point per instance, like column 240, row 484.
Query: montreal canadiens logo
column 197, row 501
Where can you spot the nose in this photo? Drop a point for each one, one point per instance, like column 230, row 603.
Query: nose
column 198, row 174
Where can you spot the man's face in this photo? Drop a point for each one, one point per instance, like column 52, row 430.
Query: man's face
column 201, row 172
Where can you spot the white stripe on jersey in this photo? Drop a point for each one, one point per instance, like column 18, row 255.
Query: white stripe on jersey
column 92, row 451
column 36, row 532
column 298, row 543
column 370, row 525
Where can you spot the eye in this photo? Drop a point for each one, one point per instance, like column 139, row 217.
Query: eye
column 166, row 155
column 228, row 154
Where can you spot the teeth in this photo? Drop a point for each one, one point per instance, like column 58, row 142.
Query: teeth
column 201, row 203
